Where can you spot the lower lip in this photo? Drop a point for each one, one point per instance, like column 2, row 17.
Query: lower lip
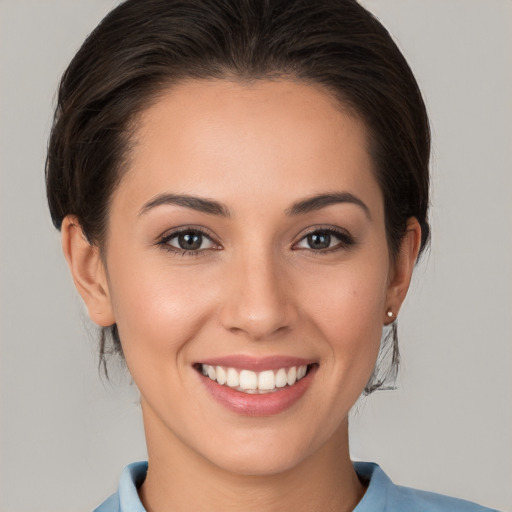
column 265, row 404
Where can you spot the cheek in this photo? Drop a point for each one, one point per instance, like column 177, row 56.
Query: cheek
column 157, row 309
column 348, row 313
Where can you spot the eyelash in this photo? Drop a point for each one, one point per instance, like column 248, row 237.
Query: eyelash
column 345, row 241
column 164, row 242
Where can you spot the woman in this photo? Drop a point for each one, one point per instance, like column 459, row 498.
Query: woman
column 242, row 191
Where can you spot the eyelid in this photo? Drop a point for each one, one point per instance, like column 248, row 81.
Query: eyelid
column 346, row 240
column 163, row 239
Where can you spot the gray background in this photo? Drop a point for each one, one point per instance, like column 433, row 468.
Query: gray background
column 65, row 435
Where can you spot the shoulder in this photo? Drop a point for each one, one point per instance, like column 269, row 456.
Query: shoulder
column 384, row 496
column 109, row 505
column 423, row 501
column 127, row 498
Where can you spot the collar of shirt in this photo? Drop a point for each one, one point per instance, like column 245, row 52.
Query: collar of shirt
column 381, row 495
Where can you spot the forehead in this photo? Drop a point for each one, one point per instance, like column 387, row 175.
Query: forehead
column 282, row 139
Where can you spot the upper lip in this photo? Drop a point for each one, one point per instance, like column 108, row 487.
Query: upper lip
column 256, row 364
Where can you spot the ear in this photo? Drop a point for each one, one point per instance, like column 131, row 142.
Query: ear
column 88, row 272
column 401, row 272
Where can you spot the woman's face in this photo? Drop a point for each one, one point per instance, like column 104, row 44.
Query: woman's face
column 246, row 241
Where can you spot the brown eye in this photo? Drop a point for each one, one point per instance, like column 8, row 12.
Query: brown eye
column 325, row 240
column 188, row 241
column 319, row 240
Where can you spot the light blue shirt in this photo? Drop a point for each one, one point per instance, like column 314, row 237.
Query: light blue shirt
column 382, row 495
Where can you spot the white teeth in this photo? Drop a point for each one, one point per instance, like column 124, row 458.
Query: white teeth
column 221, row 374
column 233, row 380
column 266, row 380
column 281, row 378
column 248, row 380
column 253, row 382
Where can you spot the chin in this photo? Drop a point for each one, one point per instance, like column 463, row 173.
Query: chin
column 264, row 454
column 260, row 464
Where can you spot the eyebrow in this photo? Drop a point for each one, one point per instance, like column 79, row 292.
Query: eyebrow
column 195, row 203
column 320, row 201
column 212, row 207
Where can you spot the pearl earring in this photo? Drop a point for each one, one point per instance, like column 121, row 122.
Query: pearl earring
column 390, row 314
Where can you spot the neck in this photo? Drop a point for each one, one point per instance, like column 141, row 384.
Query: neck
column 180, row 480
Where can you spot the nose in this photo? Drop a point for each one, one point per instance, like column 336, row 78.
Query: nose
column 257, row 298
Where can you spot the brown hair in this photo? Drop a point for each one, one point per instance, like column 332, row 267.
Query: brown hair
column 144, row 46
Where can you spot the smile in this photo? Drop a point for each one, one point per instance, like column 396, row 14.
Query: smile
column 251, row 382
column 256, row 386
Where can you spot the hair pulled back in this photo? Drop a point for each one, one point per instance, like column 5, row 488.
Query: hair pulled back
column 143, row 47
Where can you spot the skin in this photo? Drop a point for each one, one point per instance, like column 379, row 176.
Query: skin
column 257, row 288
